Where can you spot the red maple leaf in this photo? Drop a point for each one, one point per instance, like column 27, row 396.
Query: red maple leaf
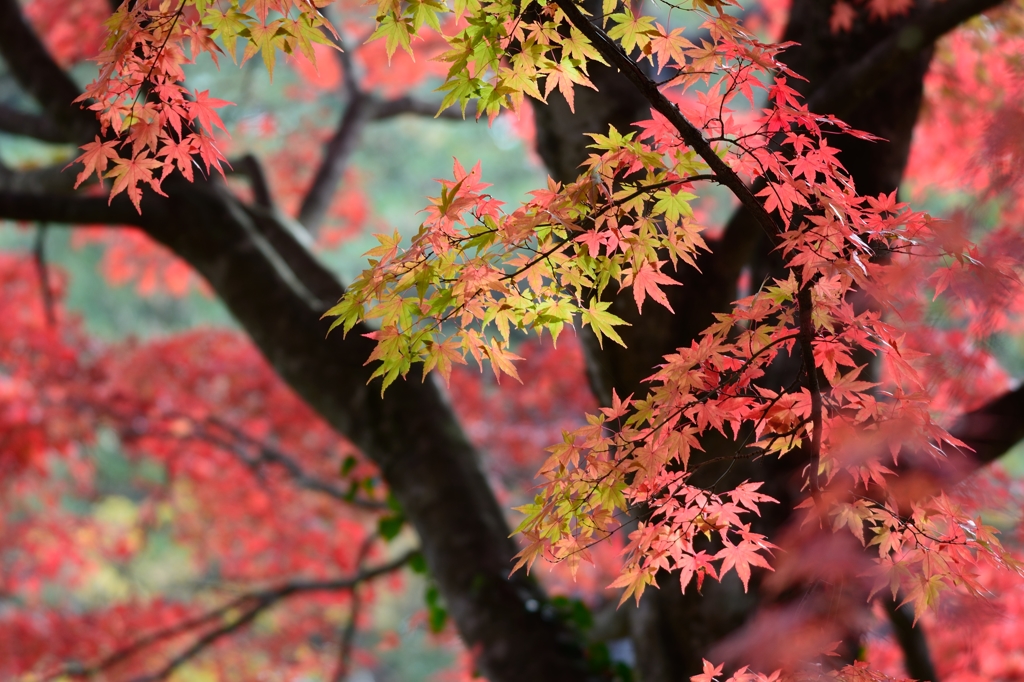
column 129, row 173
column 741, row 557
column 647, row 281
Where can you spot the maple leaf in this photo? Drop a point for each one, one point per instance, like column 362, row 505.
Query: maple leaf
column 741, row 557
column 746, row 495
column 208, row 151
column 266, row 39
column 698, row 565
column 564, row 75
column 202, row 108
column 180, row 154
column 307, row 34
column 95, row 157
column 843, row 16
column 441, row 355
column 647, row 281
column 129, row 173
column 635, row 580
column 228, row 26
column 668, row 47
column 396, row 32
column 711, row 672
column 262, row 7
column 632, row 31
column 602, row 322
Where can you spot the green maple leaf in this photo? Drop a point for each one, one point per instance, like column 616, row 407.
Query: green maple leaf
column 306, row 33
column 673, row 204
column 227, row 26
column 602, row 322
column 267, row 40
column 632, row 31
column 427, row 12
column 395, row 32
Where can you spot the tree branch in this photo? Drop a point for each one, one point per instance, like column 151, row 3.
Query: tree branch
column 271, row 455
column 994, row 428
column 805, row 305
column 253, row 603
column 910, row 636
column 851, row 85
column 250, row 166
column 385, row 109
column 40, row 76
column 36, row 126
column 348, row 636
column 336, row 155
column 691, row 135
column 67, row 209
column 43, row 272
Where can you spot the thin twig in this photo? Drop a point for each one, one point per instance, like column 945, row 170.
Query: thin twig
column 691, row 135
column 806, row 308
column 252, row 605
column 349, row 634
column 39, row 252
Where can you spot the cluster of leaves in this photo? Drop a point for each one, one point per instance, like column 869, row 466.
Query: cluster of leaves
column 549, row 263
column 158, row 125
column 537, row 268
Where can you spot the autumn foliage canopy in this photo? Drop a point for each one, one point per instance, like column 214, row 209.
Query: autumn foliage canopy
column 809, row 453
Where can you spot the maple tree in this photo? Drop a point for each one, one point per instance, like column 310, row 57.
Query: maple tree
column 783, row 406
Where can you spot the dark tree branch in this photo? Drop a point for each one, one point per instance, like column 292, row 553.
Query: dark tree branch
column 43, row 180
column 337, row 151
column 362, row 108
column 250, row 167
column 36, row 126
column 43, row 272
column 853, row 84
column 805, row 305
column 916, row 657
column 41, row 76
column 67, row 209
column 263, row 600
column 992, row 429
column 124, row 653
column 253, row 603
column 348, row 636
column 406, row 104
column 691, row 135
column 272, row 455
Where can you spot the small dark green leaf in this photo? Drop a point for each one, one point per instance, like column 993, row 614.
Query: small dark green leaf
column 437, row 614
column 418, row 564
column 390, row 526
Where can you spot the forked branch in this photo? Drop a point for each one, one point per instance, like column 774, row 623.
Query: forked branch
column 692, row 136
column 250, row 605
column 848, row 87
